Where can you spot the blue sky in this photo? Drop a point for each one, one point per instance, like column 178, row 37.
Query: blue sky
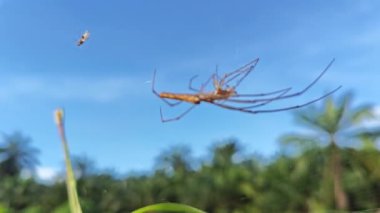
column 111, row 114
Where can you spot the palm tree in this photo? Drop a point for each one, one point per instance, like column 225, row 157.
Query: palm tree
column 16, row 155
column 175, row 166
column 226, row 181
column 333, row 122
column 176, row 160
column 83, row 166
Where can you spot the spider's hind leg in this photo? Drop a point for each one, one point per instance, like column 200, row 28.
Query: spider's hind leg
column 158, row 95
column 191, row 84
column 179, row 116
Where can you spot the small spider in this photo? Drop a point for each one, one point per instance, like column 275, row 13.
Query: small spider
column 84, row 38
column 224, row 93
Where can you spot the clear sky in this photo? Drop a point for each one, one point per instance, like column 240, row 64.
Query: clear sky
column 111, row 114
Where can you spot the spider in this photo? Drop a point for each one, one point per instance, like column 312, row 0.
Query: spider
column 225, row 95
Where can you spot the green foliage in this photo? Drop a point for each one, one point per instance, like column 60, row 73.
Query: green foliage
column 227, row 181
column 330, row 122
column 63, row 208
column 73, row 198
column 16, row 155
column 168, row 207
column 4, row 208
column 293, row 183
column 32, row 209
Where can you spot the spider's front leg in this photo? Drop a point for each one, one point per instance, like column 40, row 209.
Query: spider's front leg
column 247, row 109
column 203, row 86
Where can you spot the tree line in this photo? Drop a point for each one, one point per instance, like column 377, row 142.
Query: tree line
column 334, row 167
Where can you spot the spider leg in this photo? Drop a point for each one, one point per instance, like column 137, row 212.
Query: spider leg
column 311, row 84
column 245, row 70
column 260, row 94
column 275, row 110
column 202, row 85
column 228, row 77
column 179, row 116
column 262, row 101
column 269, row 100
column 191, row 84
column 259, row 102
column 240, row 70
column 158, row 95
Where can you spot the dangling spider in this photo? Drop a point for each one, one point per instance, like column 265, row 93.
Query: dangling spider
column 225, row 93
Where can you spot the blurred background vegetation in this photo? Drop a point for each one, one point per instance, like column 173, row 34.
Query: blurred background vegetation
column 331, row 165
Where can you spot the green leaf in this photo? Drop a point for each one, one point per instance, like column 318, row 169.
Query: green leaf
column 70, row 178
column 168, row 207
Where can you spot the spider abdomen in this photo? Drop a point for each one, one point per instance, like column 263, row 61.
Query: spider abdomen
column 181, row 97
